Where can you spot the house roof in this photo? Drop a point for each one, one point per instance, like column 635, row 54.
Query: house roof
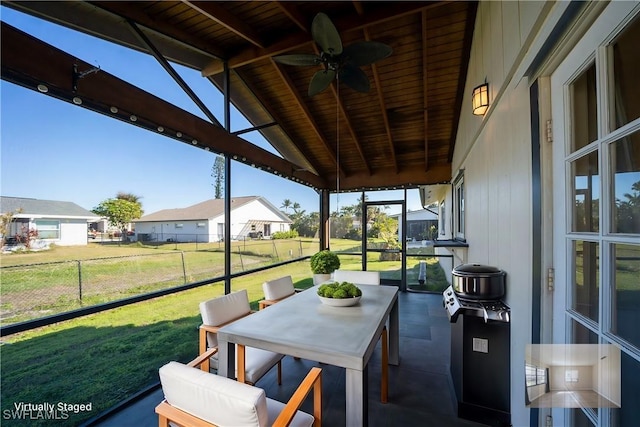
column 400, row 134
column 43, row 208
column 206, row 210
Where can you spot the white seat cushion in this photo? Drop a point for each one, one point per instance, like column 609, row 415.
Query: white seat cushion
column 278, row 288
column 257, row 363
column 357, row 277
column 213, row 398
column 300, row 419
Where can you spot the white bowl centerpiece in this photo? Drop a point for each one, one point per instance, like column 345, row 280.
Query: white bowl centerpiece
column 336, row 294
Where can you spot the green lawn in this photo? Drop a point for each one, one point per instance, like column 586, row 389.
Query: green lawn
column 106, row 357
column 37, row 284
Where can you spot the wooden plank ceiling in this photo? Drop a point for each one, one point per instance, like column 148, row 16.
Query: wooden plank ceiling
column 398, row 135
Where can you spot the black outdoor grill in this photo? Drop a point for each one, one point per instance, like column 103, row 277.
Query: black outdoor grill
column 480, row 343
column 477, row 290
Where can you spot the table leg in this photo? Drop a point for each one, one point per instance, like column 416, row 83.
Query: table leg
column 226, row 359
column 394, row 335
column 357, row 397
column 241, row 363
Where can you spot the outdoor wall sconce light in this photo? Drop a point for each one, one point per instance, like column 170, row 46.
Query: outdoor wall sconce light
column 480, row 99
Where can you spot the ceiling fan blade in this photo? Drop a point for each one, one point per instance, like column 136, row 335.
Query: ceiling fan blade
column 324, row 33
column 355, row 78
column 320, row 81
column 365, row 53
column 300, row 59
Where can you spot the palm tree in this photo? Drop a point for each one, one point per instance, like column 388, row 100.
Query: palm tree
column 286, row 204
column 129, row 196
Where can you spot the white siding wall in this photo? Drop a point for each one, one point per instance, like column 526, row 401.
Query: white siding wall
column 495, row 153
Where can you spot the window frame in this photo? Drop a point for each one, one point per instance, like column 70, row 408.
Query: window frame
column 38, row 222
column 537, row 377
column 459, row 218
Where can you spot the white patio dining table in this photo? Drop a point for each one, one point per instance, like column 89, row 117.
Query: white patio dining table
column 301, row 326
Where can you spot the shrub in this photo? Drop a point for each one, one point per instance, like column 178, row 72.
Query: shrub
column 291, row 234
column 324, row 262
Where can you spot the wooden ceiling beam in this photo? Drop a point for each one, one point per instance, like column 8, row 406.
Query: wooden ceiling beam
column 222, row 16
column 425, row 87
column 294, row 14
column 388, row 179
column 343, row 24
column 347, row 120
column 383, row 108
column 125, row 10
column 305, row 109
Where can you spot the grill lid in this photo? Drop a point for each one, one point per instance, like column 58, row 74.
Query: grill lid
column 477, row 270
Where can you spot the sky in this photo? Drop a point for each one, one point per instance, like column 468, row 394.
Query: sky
column 53, row 150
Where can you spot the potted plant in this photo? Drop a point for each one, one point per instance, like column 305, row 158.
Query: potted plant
column 324, row 263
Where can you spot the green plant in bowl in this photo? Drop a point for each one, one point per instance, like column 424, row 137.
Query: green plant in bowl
column 339, row 290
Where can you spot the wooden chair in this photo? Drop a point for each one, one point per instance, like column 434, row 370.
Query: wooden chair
column 276, row 290
column 221, row 311
column 370, row 278
column 197, row 398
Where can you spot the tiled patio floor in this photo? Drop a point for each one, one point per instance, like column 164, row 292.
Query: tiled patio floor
column 420, row 393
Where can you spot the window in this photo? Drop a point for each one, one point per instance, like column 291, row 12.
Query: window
column 180, row 225
column 586, row 273
column 586, row 193
column 458, row 208
column 201, row 225
column 541, row 376
column 602, row 163
column 535, row 375
column 571, row 376
column 624, row 155
column 48, row 229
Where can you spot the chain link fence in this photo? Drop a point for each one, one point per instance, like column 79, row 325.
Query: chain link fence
column 31, row 291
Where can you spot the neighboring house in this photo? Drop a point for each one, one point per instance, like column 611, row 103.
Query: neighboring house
column 251, row 217
column 419, row 225
column 62, row 223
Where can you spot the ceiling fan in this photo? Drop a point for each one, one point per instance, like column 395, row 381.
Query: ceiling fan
column 336, row 61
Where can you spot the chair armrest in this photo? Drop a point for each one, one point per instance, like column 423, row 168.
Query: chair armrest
column 262, row 304
column 312, row 380
column 203, row 359
column 214, row 330
column 209, row 328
